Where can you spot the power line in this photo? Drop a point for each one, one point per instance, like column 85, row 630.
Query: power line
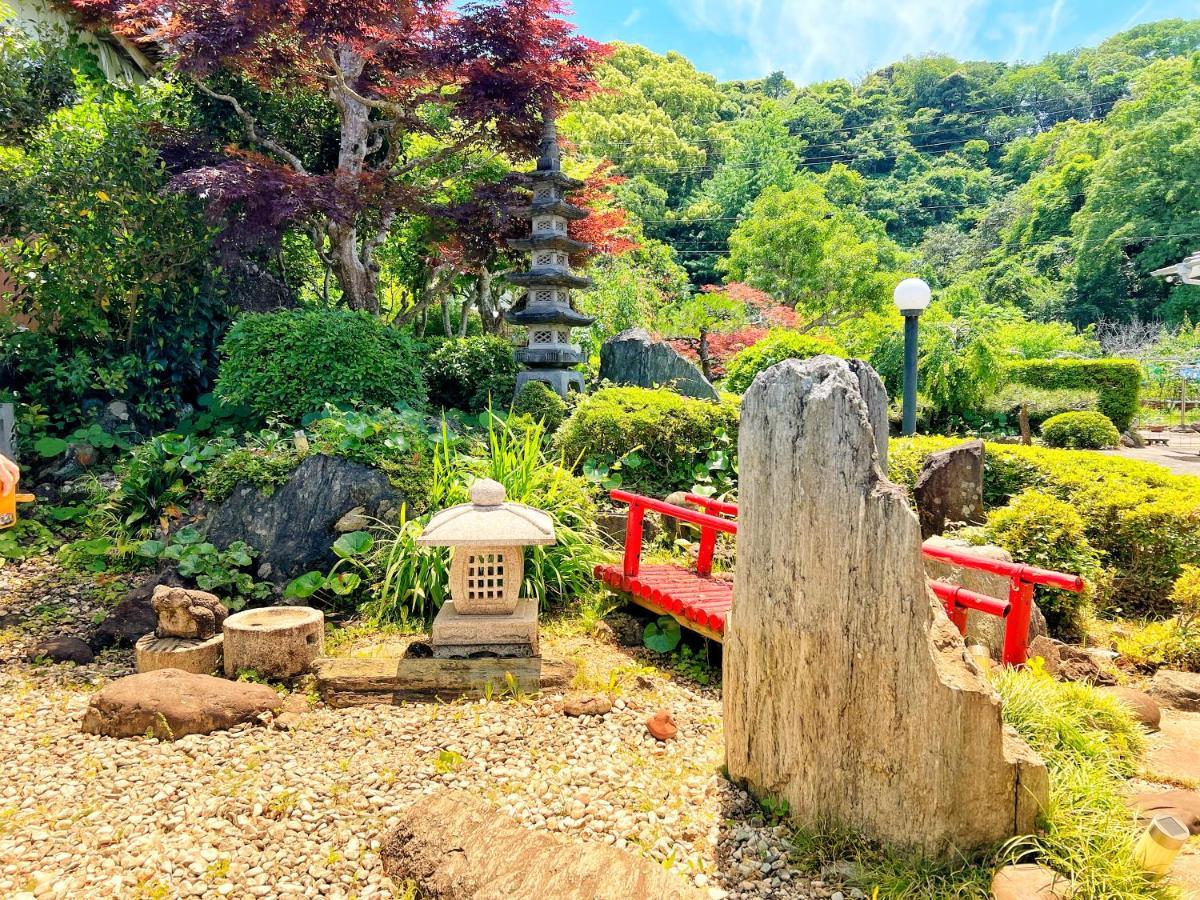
column 873, row 122
column 816, row 161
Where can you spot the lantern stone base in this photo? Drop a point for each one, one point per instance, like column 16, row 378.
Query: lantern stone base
column 458, row 636
column 189, row 654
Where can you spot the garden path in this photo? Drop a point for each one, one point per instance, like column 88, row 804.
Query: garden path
column 300, row 813
column 1182, row 457
column 1173, row 759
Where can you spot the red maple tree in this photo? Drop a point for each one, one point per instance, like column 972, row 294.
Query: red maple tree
column 426, row 91
column 763, row 312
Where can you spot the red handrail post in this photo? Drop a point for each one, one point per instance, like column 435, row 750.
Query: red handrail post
column 1016, row 626
column 704, row 556
column 633, row 538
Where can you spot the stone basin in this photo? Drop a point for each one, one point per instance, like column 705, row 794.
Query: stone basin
column 276, row 642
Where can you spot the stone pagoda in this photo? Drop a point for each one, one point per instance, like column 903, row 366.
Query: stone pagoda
column 545, row 310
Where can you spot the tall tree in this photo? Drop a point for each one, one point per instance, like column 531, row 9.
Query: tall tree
column 417, row 84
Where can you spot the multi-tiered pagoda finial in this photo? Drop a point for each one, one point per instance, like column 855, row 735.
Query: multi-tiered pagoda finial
column 545, row 310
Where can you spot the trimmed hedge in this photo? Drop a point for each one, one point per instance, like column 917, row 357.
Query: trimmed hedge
column 1142, row 518
column 1116, row 381
column 671, row 434
column 1080, row 431
column 774, row 348
column 292, row 362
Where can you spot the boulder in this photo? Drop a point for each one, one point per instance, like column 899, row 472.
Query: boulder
column 1029, row 881
column 182, row 613
column 170, row 703
column 950, row 488
column 452, row 846
column 982, row 629
column 63, row 648
column 1179, row 690
column 587, row 705
column 847, row 691
column 633, row 357
column 294, row 527
column 1139, row 703
column 134, row 616
column 1183, row 805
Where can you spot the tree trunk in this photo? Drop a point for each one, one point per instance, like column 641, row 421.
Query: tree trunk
column 349, row 251
column 1023, row 422
column 447, row 330
column 705, row 362
column 464, row 317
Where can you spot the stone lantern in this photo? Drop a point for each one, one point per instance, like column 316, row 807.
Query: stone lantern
column 485, row 613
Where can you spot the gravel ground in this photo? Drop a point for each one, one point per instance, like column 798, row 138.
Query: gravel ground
column 260, row 812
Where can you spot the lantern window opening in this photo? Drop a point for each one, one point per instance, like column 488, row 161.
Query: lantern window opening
column 485, row 576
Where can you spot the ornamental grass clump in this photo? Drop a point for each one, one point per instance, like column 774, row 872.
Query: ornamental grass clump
column 1090, row 745
column 412, row 581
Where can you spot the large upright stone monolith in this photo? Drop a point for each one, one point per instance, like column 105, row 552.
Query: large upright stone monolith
column 847, row 691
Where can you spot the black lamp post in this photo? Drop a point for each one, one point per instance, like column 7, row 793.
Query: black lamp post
column 912, row 297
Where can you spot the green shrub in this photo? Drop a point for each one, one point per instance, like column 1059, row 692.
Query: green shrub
column 662, row 441
column 265, row 468
column 1116, row 381
column 1043, row 531
column 1142, row 518
column 541, row 403
column 774, row 348
column 1040, row 403
column 1185, row 595
column 293, row 362
column 1080, row 431
column 470, row 373
column 1173, row 643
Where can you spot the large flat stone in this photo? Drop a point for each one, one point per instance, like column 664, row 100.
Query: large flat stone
column 455, row 635
column 950, row 488
column 1180, row 690
column 169, row 704
column 454, row 847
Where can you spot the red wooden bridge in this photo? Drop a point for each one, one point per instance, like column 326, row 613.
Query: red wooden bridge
column 701, row 601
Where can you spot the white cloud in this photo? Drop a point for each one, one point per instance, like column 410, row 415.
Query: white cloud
column 816, row 39
column 633, row 18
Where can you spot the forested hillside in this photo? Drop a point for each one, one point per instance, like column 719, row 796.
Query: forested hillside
column 1048, row 190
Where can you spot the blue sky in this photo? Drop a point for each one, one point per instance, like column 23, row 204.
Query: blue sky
column 812, row 40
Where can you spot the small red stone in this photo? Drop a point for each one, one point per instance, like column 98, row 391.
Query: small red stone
column 661, row 726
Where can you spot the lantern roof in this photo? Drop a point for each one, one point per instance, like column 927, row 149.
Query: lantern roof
column 488, row 521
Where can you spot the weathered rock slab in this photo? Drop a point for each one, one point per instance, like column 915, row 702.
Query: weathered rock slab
column 950, row 488
column 170, row 703
column 633, row 357
column 294, row 527
column 1179, row 690
column 454, row 847
column 847, row 691
column 1183, row 805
